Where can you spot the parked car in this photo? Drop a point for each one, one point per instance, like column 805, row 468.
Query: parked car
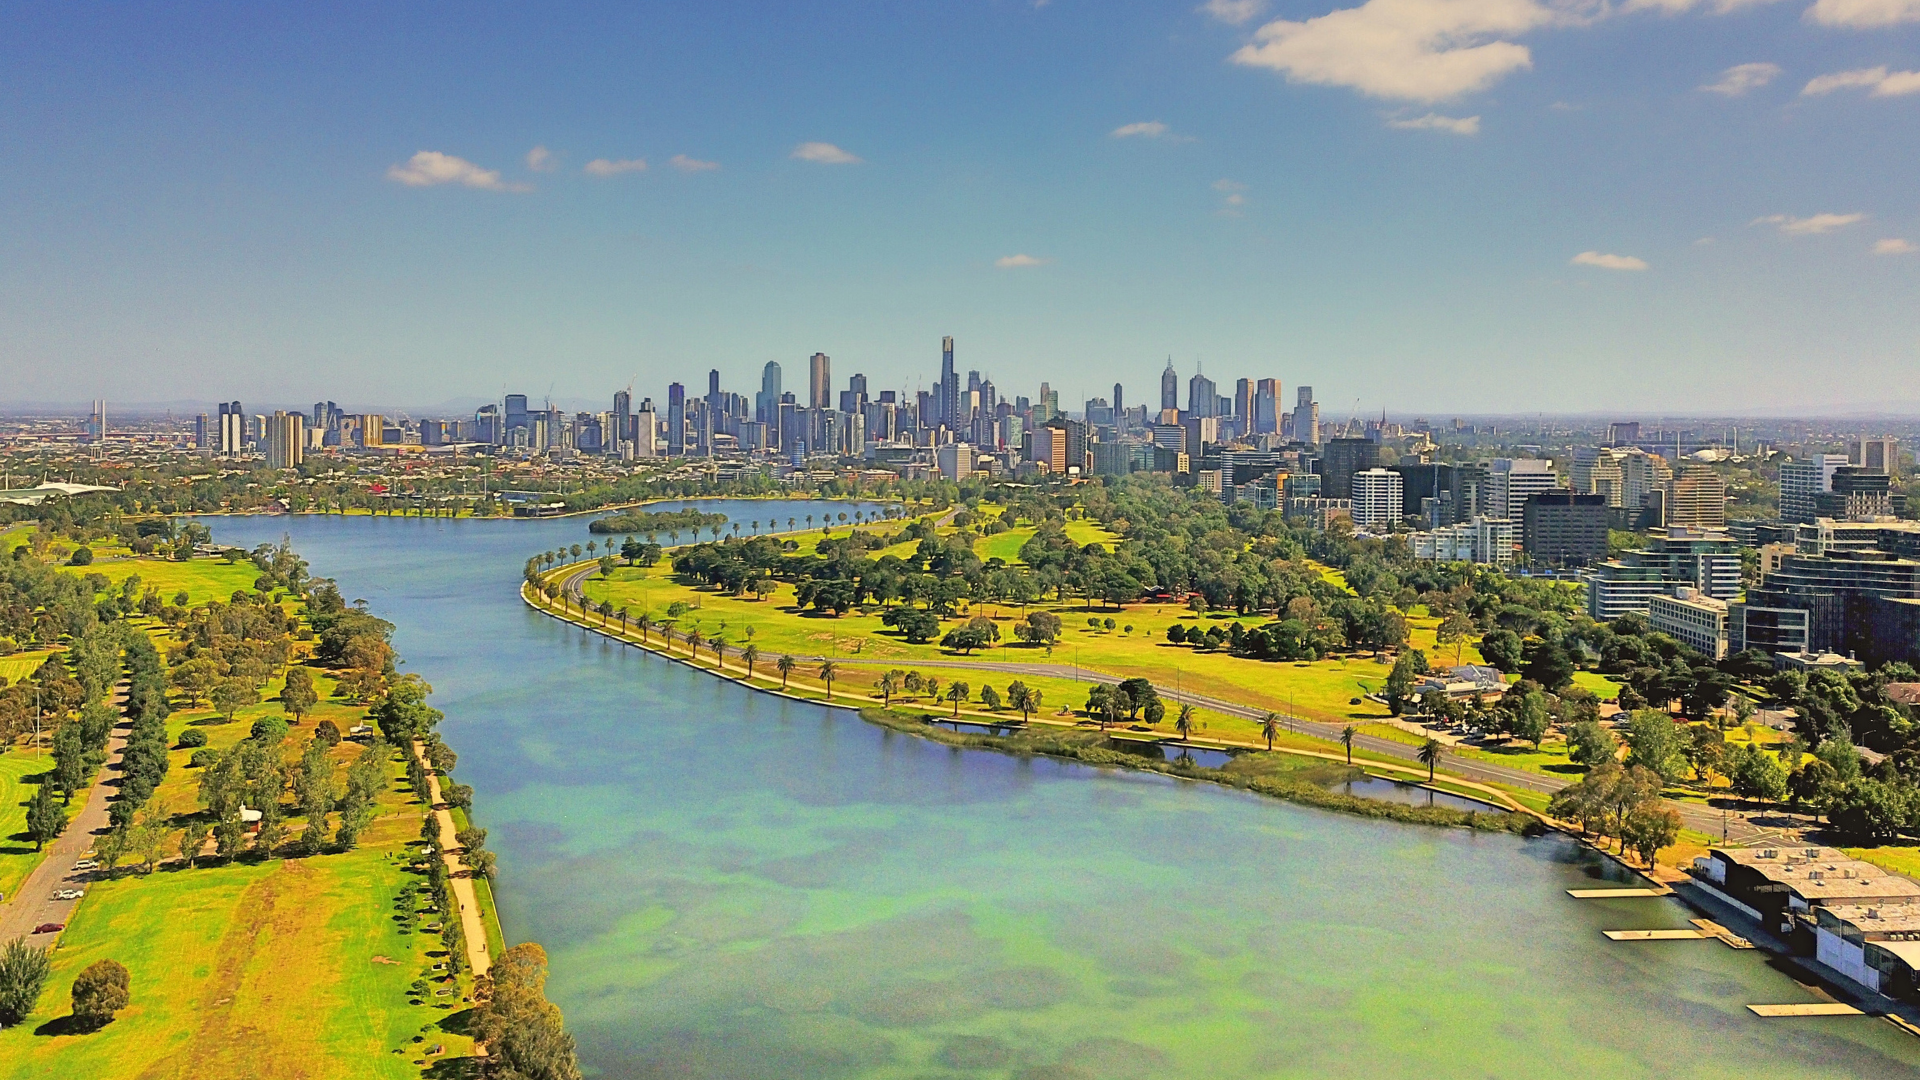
column 49, row 928
column 86, row 864
column 69, row 894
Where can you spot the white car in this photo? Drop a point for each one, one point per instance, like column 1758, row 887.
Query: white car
column 69, row 894
column 86, row 864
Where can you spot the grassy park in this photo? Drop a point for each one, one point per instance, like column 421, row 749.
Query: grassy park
column 316, row 960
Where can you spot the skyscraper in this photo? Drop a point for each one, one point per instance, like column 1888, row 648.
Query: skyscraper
column 1266, row 405
column 1169, row 388
column 766, row 404
column 1119, row 410
column 1306, row 417
column 715, row 399
column 233, row 429
column 948, row 403
column 621, row 437
column 1202, row 398
column 1243, row 405
column 1344, row 459
column 676, row 420
column 286, row 439
column 819, row 381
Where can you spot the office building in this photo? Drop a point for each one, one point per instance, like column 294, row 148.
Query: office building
column 1341, row 460
column 516, row 408
column 947, row 396
column 1266, row 407
column 233, row 429
column 1709, row 561
column 1801, row 480
column 1875, row 455
column 1510, row 482
column 1840, row 597
column 676, row 420
column 286, row 440
column 1692, row 619
column 1377, row 498
column 955, row 461
column 819, row 381
column 97, row 422
column 1243, row 398
column 1169, row 388
column 1855, row 494
column 1306, row 417
column 1202, row 400
column 1564, row 528
column 205, row 435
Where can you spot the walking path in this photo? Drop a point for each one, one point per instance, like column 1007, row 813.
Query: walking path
column 33, row 905
column 471, row 924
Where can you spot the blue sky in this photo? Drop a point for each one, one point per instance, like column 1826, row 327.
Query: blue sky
column 1424, row 205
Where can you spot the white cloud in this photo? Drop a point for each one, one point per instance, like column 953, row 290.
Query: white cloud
column 1608, row 262
column 1019, row 262
column 1884, row 83
column 429, row 168
column 1233, row 12
column 1681, row 7
column 823, row 152
column 1459, row 125
column 1418, row 50
column 1864, row 13
column 610, row 167
column 1741, row 78
column 1809, row 226
column 687, row 164
column 1145, row 129
column 540, row 159
column 1892, row 246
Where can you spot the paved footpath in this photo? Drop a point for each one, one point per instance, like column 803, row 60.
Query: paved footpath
column 471, row 924
column 34, row 904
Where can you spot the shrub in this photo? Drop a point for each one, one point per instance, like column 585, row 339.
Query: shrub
column 203, row 758
column 82, row 557
column 269, row 729
column 327, row 732
column 23, row 972
column 192, row 737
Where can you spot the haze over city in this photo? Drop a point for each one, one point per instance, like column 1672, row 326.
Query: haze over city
column 1476, row 206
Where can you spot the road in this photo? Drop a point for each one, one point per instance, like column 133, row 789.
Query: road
column 34, row 904
column 1737, row 827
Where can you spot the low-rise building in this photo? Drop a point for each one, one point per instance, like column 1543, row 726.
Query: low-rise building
column 1771, row 885
column 1706, row 559
column 1697, row 620
column 1488, row 541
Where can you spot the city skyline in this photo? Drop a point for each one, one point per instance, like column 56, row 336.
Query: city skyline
column 1667, row 206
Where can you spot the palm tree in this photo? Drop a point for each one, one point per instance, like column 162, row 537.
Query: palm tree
column 621, row 614
column 1430, row 752
column 789, row 524
column 827, row 672
column 591, row 548
column 749, row 655
column 756, row 528
column 887, row 687
column 809, row 521
column 719, row 651
column 1183, row 723
column 785, row 666
column 1346, row 739
column 645, row 623
column 957, row 693
column 1270, row 727
column 694, row 640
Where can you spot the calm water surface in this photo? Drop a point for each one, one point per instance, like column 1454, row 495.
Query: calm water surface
column 734, row 886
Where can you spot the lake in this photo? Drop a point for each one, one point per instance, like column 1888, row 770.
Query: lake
column 734, row 885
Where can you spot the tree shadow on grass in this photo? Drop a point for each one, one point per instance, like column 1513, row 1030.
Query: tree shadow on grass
column 65, row 1025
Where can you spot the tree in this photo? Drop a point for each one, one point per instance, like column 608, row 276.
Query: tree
column 784, row 666
column 46, row 819
column 827, row 671
column 100, row 991
column 231, row 695
column 749, row 655
column 194, row 678
column 917, row 626
column 1270, row 727
column 1548, row 663
column 1653, row 743
column 1454, row 629
column 958, row 693
column 889, row 685
column 298, row 697
column 990, row 698
column 1502, row 649
column 1346, row 740
column 1648, row 829
column 403, row 713
column 1430, row 752
column 1039, row 628
column 1183, row 722
column 1590, row 744
column 1757, row 775
column 1020, row 697
column 23, row 974
column 1399, row 685
column 519, row 1024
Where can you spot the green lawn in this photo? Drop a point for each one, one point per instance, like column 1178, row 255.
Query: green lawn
column 203, row 579
column 22, row 665
column 17, row 857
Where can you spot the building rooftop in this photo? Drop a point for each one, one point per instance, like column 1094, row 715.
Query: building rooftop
column 1823, row 875
column 1873, row 919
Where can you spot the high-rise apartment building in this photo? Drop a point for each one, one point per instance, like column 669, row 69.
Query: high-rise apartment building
column 1510, row 481
column 1378, row 495
column 1697, row 498
column 97, row 422
column 233, row 429
column 1169, row 388
column 1306, row 417
column 1119, row 411
column 947, row 405
column 1801, row 480
column 286, row 440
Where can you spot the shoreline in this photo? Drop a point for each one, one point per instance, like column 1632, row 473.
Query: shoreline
column 1494, row 819
column 543, row 517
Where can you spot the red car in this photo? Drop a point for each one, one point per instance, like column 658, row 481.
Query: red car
column 49, row 928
